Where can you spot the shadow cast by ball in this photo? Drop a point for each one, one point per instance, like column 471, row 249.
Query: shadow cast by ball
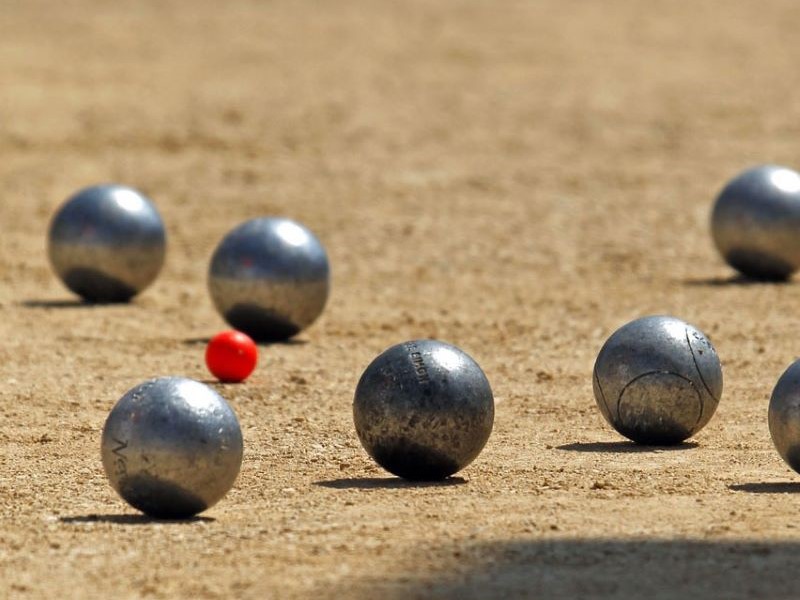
column 222, row 385
column 623, row 447
column 128, row 519
column 376, row 483
column 601, row 569
column 65, row 303
column 767, row 487
column 196, row 341
column 734, row 281
column 289, row 342
column 217, row 382
column 203, row 341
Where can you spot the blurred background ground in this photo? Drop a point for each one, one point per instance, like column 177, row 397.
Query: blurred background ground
column 517, row 178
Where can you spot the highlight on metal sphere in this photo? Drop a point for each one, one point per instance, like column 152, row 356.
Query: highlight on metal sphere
column 756, row 222
column 172, row 447
column 107, row 243
column 657, row 380
column 269, row 278
column 423, row 410
column 784, row 416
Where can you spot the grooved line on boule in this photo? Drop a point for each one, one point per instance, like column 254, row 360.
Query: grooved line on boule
column 603, row 395
column 686, row 379
column 697, row 368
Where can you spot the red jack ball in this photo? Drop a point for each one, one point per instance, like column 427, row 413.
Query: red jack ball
column 231, row 356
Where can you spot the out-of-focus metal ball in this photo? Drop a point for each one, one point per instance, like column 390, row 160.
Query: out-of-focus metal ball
column 107, row 243
column 756, row 222
column 172, row 447
column 657, row 380
column 423, row 410
column 784, row 416
column 269, row 278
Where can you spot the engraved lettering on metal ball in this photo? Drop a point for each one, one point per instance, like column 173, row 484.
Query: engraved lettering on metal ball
column 657, row 380
column 107, row 243
column 423, row 410
column 784, row 416
column 756, row 222
column 172, row 447
column 269, row 278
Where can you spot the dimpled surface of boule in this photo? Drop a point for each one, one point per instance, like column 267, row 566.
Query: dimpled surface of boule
column 784, row 416
column 270, row 278
column 107, row 243
column 423, row 410
column 172, row 447
column 755, row 222
column 657, row 380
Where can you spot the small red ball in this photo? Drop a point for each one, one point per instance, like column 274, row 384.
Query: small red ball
column 231, row 356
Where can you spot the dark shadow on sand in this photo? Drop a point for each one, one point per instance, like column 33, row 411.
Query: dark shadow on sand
column 68, row 303
column 767, row 487
column 198, row 341
column 139, row 519
column 600, row 569
column 225, row 384
column 623, row 447
column 221, row 383
column 202, row 341
column 733, row 281
column 376, row 483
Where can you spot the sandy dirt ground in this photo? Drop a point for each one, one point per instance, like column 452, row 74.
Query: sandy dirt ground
column 517, row 178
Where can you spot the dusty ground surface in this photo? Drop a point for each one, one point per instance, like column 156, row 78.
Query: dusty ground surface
column 517, row 178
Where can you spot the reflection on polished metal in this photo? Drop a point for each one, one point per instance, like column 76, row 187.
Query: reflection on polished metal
column 756, row 222
column 269, row 278
column 423, row 410
column 784, row 416
column 107, row 243
column 172, row 447
column 657, row 380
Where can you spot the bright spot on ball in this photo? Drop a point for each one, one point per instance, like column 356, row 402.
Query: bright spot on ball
column 292, row 233
column 172, row 447
column 784, row 416
column 423, row 410
column 129, row 200
column 107, row 243
column 755, row 222
column 231, row 356
column 657, row 380
column 448, row 358
column 786, row 180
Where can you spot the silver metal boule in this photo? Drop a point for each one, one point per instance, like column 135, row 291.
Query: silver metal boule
column 107, row 243
column 172, row 447
column 784, row 416
column 423, row 410
column 755, row 222
column 269, row 278
column 657, row 380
